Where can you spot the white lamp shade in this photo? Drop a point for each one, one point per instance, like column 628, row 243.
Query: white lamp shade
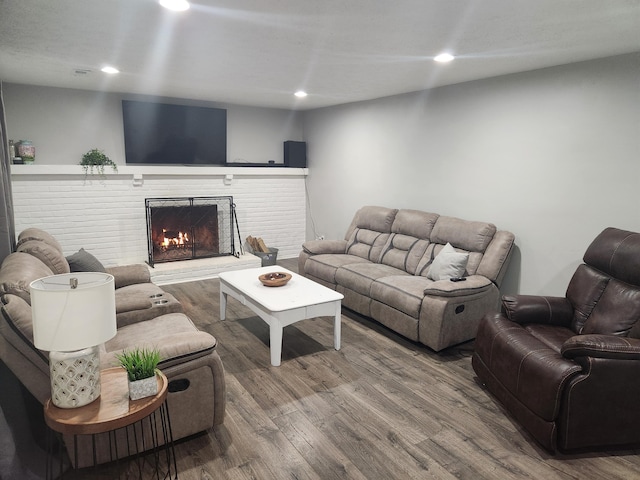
column 67, row 319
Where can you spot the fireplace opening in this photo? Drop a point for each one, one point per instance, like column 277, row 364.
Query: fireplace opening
column 189, row 228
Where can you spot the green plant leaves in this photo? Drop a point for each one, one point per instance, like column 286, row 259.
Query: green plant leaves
column 139, row 363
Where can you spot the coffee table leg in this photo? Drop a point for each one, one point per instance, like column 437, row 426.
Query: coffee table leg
column 337, row 326
column 223, row 305
column 275, row 339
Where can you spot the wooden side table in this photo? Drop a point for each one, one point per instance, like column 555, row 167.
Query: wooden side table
column 138, row 422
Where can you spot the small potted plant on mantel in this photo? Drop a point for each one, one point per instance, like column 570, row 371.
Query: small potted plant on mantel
column 96, row 159
column 141, row 365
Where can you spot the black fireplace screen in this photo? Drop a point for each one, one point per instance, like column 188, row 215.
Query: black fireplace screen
column 189, row 228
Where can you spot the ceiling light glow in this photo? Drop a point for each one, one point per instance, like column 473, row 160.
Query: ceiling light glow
column 175, row 5
column 109, row 70
column 300, row 94
column 443, row 58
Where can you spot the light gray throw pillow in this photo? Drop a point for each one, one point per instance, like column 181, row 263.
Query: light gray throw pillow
column 448, row 264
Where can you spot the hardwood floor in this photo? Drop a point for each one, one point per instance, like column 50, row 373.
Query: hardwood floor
column 380, row 408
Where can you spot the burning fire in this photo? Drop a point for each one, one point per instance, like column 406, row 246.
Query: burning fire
column 173, row 239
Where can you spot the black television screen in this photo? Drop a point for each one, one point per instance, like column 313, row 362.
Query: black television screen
column 167, row 134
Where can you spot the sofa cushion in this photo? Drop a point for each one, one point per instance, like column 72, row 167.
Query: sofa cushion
column 402, row 292
column 18, row 270
column 360, row 276
column 83, row 261
column 38, row 234
column 404, row 252
column 367, row 244
column 617, row 310
column 414, row 223
column 378, row 219
column 19, row 313
column 151, row 300
column 47, row 254
column 447, row 264
column 325, row 267
column 463, row 234
column 174, row 335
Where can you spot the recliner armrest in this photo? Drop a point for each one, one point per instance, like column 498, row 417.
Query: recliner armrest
column 129, row 274
column 524, row 309
column 319, row 247
column 602, row 346
column 472, row 285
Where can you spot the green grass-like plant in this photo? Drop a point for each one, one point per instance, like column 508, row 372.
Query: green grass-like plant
column 139, row 363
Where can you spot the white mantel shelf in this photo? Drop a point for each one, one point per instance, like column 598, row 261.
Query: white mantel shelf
column 159, row 171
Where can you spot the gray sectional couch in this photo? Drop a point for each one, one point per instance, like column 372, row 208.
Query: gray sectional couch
column 389, row 268
column 146, row 317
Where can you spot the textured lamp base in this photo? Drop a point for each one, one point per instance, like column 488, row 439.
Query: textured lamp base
column 75, row 377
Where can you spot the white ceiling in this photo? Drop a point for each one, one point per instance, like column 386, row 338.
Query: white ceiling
column 258, row 52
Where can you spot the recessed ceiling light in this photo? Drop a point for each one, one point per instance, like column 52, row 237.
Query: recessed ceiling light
column 300, row 94
column 109, row 70
column 443, row 58
column 175, row 5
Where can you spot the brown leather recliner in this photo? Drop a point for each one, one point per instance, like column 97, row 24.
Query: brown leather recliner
column 568, row 369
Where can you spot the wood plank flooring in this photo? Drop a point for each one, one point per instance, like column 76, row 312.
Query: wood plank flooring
column 380, row 408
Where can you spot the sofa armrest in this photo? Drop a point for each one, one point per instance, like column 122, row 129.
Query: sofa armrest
column 446, row 288
column 537, row 309
column 319, row 247
column 130, row 274
column 602, row 346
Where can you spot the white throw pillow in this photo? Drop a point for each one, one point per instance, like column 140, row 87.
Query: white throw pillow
column 448, row 264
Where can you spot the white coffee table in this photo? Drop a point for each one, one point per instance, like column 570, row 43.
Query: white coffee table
column 300, row 298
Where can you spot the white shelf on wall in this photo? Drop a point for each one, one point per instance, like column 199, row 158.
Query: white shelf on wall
column 150, row 170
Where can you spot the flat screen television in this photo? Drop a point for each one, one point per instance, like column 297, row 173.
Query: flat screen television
column 168, row 134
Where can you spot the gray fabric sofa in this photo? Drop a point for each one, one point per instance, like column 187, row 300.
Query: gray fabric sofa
column 388, row 268
column 146, row 317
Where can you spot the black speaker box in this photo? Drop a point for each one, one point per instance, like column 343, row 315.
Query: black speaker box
column 295, row 154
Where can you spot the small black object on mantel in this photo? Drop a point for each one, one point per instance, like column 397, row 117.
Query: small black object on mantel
column 295, row 154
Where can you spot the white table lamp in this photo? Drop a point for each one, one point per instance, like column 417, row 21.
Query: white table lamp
column 72, row 315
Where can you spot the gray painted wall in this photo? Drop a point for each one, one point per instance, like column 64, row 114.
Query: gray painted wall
column 552, row 155
column 65, row 123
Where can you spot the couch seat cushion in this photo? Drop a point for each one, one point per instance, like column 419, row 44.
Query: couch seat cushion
column 325, row 266
column 402, row 292
column 360, row 276
column 174, row 335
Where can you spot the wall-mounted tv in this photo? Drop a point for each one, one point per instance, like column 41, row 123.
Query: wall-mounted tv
column 168, row 134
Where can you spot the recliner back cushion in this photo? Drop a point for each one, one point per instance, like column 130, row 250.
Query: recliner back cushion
column 617, row 253
column 33, row 233
column 584, row 292
column 414, row 223
column 47, row 254
column 18, row 271
column 404, row 252
column 367, row 244
column 601, row 304
column 617, row 310
column 371, row 233
column 378, row 219
column 463, row 234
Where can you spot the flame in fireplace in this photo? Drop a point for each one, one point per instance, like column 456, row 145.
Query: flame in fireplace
column 173, row 239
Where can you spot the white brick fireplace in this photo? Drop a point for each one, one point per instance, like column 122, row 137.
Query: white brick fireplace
column 106, row 216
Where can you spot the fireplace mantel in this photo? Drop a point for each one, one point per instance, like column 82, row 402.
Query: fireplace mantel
column 157, row 170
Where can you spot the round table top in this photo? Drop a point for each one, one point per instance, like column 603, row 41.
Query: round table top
column 110, row 411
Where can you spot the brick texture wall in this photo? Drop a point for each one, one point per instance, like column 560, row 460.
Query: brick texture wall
column 107, row 217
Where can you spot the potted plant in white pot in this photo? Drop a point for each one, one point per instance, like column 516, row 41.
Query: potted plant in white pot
column 141, row 365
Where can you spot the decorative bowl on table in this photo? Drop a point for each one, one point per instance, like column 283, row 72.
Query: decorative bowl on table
column 274, row 279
